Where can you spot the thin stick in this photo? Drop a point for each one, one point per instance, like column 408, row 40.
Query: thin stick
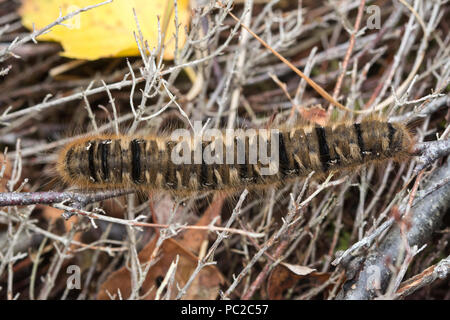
column 338, row 85
column 136, row 223
column 32, row 36
column 311, row 82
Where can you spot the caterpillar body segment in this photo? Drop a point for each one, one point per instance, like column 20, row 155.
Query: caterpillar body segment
column 145, row 162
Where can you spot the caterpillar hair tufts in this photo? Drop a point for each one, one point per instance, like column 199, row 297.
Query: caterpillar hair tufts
column 144, row 162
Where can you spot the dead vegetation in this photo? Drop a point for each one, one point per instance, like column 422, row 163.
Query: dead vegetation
column 381, row 232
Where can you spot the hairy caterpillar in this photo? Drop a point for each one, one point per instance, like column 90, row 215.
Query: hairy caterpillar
column 144, row 162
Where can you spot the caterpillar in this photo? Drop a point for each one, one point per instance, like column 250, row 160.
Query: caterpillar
column 145, row 163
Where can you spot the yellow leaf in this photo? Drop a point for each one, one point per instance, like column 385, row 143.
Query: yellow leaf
column 107, row 31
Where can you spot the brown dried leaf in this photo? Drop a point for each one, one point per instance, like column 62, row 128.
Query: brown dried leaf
column 52, row 215
column 4, row 163
column 298, row 270
column 115, row 207
column 285, row 276
column 205, row 285
column 193, row 238
column 162, row 209
column 315, row 114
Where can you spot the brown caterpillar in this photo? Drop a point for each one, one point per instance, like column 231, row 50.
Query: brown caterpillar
column 144, row 163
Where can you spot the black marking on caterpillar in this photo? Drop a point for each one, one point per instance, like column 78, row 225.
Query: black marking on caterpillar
column 323, row 148
column 144, row 162
column 135, row 150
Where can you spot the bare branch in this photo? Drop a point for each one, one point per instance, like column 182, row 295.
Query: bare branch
column 78, row 200
column 426, row 216
column 430, row 152
column 440, row 270
column 7, row 52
